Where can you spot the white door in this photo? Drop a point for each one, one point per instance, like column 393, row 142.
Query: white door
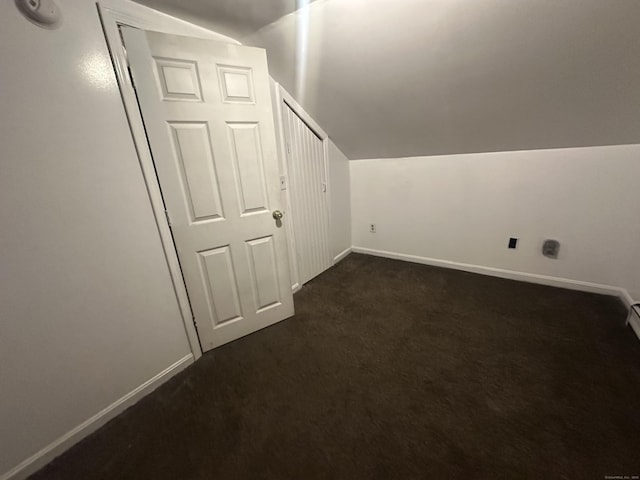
column 308, row 190
column 207, row 112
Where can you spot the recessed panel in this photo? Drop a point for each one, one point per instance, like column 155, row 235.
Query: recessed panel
column 236, row 84
column 179, row 79
column 220, row 285
column 262, row 261
column 244, row 139
column 197, row 170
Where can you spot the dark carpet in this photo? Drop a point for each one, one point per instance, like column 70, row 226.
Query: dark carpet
column 393, row 370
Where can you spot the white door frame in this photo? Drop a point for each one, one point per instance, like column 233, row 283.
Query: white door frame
column 113, row 13
column 284, row 98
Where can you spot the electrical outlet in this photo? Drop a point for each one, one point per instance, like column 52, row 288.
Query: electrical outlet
column 372, row 228
column 513, row 242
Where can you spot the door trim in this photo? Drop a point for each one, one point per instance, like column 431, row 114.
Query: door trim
column 278, row 93
column 112, row 14
column 283, row 98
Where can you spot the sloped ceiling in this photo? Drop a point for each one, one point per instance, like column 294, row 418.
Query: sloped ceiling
column 233, row 18
column 426, row 77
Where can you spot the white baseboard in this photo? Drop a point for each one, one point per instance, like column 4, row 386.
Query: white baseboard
column 38, row 460
column 295, row 287
column 626, row 298
column 341, row 255
column 620, row 292
column 498, row 272
column 635, row 325
column 634, row 321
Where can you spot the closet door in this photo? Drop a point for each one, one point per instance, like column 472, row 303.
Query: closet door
column 308, row 191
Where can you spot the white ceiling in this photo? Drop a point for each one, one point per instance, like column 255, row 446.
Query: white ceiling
column 425, row 77
column 233, row 18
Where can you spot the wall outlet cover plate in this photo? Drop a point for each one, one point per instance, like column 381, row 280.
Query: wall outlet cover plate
column 550, row 248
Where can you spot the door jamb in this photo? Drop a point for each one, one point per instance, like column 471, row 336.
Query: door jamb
column 284, row 98
column 112, row 14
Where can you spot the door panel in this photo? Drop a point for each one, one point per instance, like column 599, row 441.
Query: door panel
column 218, row 276
column 264, row 272
column 197, row 170
column 207, row 112
column 237, row 84
column 247, row 160
column 179, row 80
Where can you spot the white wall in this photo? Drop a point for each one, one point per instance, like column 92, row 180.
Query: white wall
column 340, row 191
column 87, row 308
column 463, row 208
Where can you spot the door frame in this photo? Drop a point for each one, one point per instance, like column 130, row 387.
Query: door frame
column 282, row 99
column 113, row 13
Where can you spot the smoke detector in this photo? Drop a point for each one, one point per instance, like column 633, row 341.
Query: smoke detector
column 44, row 13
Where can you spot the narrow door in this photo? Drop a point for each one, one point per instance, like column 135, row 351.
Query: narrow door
column 308, row 184
column 207, row 113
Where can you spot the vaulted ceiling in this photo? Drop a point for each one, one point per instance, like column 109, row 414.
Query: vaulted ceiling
column 425, row 77
column 233, row 18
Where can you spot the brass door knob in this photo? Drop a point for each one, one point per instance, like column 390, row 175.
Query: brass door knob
column 277, row 214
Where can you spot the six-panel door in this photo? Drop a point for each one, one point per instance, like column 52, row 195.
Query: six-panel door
column 207, row 112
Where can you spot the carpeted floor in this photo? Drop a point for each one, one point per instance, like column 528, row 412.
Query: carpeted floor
column 393, row 370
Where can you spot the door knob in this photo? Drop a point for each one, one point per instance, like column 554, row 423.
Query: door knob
column 277, row 214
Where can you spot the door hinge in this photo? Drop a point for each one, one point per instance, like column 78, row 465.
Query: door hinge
column 130, row 73
column 121, row 34
column 324, row 187
column 166, row 214
column 288, row 149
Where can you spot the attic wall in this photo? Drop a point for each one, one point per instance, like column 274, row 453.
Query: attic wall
column 340, row 195
column 464, row 209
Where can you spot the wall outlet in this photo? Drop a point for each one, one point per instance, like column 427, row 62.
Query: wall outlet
column 372, row 228
column 513, row 242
